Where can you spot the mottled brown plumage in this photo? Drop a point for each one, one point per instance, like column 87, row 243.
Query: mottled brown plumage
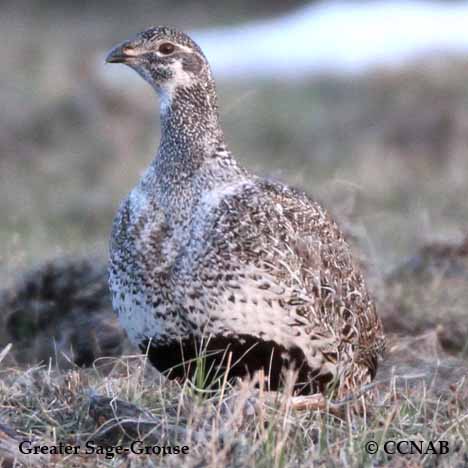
column 206, row 255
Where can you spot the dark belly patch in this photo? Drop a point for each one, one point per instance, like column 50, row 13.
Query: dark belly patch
column 248, row 355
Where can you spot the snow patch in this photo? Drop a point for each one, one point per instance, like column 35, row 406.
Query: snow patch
column 333, row 36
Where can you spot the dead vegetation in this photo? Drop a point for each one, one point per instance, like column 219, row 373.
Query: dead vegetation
column 424, row 400
column 60, row 312
column 429, row 292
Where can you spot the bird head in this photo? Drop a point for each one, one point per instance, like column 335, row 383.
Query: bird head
column 166, row 58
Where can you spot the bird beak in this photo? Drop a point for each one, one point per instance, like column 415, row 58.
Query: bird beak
column 123, row 53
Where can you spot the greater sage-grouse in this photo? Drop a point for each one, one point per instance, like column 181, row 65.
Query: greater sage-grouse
column 206, row 256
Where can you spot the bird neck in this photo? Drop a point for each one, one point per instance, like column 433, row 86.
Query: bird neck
column 192, row 156
column 190, row 130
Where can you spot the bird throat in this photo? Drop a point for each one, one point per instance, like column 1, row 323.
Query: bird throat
column 190, row 138
column 190, row 128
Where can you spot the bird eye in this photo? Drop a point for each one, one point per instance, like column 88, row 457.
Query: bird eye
column 166, row 48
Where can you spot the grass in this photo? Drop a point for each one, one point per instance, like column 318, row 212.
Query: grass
column 236, row 425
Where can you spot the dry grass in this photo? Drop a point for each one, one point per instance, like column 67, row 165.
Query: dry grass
column 237, row 426
column 429, row 291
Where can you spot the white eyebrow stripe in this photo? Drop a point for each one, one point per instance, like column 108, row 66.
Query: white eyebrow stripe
column 178, row 46
column 184, row 48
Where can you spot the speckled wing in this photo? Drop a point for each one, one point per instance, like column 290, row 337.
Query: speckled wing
column 271, row 263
